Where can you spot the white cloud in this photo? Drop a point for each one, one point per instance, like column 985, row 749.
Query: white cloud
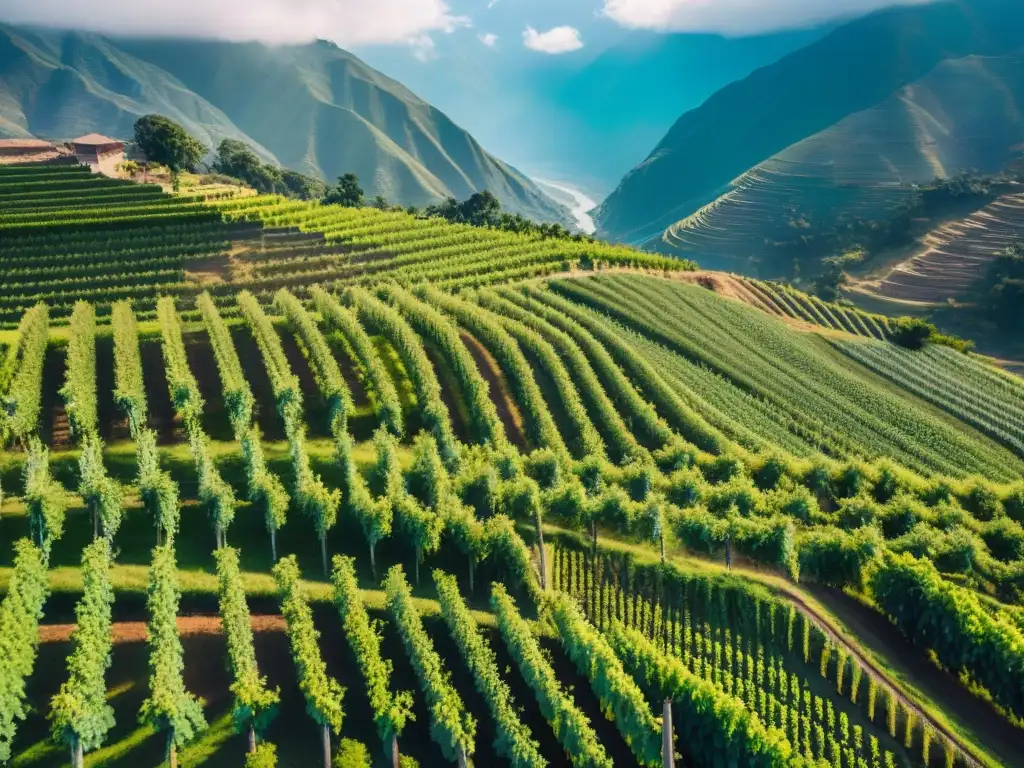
column 736, row 16
column 554, row 41
column 345, row 22
column 489, row 39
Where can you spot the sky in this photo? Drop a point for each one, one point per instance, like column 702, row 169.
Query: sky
column 539, row 26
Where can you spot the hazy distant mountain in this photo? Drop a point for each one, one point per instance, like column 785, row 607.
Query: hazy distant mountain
column 591, row 115
column 314, row 108
column 879, row 103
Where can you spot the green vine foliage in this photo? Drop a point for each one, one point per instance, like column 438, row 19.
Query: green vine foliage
column 571, row 727
column 321, row 359
column 513, row 740
column 214, row 493
column 391, row 709
column 323, row 693
column 237, row 393
column 45, row 498
column 539, row 424
column 103, row 495
column 711, row 725
column 79, row 714
column 266, row 491
column 375, row 516
column 170, row 707
column 159, row 492
column 79, row 390
column 451, row 726
column 443, row 334
column 620, row 437
column 421, row 526
column 129, row 389
column 618, row 693
column 255, row 704
column 20, row 612
column 952, row 622
column 283, row 382
column 433, row 411
column 23, row 398
column 375, row 378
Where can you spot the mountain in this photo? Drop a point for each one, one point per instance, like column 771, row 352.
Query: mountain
column 589, row 116
column 843, row 126
column 314, row 108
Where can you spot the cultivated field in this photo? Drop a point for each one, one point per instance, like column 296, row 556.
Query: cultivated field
column 296, row 475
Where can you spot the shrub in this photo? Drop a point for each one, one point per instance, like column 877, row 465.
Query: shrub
column 352, row 754
column 1005, row 539
column 836, row 558
column 265, row 756
column 543, row 466
column 686, row 487
column 856, row 512
column 981, row 501
column 900, row 515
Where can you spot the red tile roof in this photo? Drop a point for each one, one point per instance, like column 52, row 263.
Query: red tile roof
column 94, row 139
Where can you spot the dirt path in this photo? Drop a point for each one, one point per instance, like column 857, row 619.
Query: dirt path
column 882, row 639
column 857, row 628
column 135, row 631
column 506, row 407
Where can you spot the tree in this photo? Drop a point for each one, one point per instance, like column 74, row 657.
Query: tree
column 380, row 203
column 347, row 193
column 238, row 160
column 301, row 186
column 164, row 141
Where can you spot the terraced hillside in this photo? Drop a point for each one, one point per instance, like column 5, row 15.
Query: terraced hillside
column 343, row 116
column 951, row 259
column 334, row 499
column 69, row 235
column 866, row 165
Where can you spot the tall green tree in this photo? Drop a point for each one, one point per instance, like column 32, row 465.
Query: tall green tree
column 165, row 142
column 347, row 193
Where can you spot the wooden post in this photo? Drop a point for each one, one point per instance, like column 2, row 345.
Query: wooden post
column 273, row 544
column 373, row 559
column 323, row 551
column 667, row 738
column 463, row 763
column 325, row 733
column 540, row 547
column 172, row 750
column 395, row 757
column 472, row 575
column 77, row 758
column 252, row 737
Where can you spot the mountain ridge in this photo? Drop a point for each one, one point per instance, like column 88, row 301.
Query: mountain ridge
column 314, row 108
column 803, row 93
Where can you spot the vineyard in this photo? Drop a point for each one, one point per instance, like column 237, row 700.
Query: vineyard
column 358, row 486
column 70, row 236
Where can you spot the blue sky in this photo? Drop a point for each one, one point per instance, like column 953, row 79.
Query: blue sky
column 544, row 27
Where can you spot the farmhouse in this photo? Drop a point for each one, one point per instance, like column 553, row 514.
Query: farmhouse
column 101, row 153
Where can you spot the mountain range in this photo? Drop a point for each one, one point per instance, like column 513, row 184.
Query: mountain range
column 314, row 108
column 589, row 116
column 843, row 127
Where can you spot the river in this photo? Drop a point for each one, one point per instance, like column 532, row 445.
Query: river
column 576, row 200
